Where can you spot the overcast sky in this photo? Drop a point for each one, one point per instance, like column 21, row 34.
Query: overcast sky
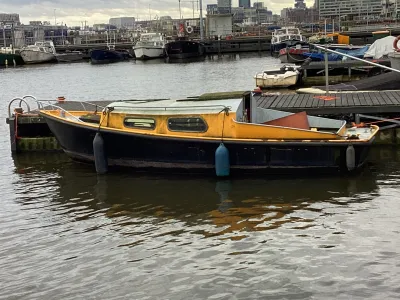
column 73, row 12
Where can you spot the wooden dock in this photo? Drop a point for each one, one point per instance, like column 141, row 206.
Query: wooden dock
column 374, row 103
column 320, row 65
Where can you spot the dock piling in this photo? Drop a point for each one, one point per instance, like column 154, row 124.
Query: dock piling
column 326, row 74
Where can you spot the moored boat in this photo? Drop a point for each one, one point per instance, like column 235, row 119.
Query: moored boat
column 110, row 55
column 293, row 54
column 10, row 59
column 286, row 37
column 284, row 76
column 150, row 45
column 71, row 56
column 40, row 52
column 215, row 137
column 182, row 48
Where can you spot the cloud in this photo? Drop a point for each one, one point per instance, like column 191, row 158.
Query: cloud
column 73, row 12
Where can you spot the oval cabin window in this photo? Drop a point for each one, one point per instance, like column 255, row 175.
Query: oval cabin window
column 191, row 124
column 141, row 123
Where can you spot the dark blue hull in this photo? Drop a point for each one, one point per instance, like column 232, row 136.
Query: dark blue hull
column 182, row 49
column 100, row 56
column 124, row 149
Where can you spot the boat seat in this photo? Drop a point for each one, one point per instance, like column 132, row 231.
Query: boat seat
column 298, row 120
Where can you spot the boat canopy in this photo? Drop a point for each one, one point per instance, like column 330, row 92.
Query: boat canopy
column 176, row 107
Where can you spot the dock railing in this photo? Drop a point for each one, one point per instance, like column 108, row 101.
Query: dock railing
column 326, row 50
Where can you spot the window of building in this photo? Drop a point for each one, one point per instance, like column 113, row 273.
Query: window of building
column 141, row 123
column 191, row 124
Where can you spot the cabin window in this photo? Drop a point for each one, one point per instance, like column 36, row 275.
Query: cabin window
column 141, row 123
column 191, row 124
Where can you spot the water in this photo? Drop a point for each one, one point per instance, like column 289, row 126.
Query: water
column 66, row 233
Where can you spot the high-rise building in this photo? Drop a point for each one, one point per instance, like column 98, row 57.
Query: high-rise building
column 244, row 3
column 350, row 9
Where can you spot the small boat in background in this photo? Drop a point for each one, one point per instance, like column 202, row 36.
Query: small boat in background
column 212, row 137
column 278, row 77
column 71, row 56
column 110, row 55
column 9, row 57
column 150, row 45
column 293, row 54
column 182, row 47
column 286, row 37
column 40, row 52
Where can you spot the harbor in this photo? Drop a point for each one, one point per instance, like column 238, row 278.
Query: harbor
column 201, row 168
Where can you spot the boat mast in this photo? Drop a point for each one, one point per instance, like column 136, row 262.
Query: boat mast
column 201, row 19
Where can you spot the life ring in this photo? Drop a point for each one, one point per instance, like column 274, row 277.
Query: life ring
column 189, row 29
column 395, row 44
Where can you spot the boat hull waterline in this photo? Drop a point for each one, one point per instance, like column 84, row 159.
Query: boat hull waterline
column 149, row 52
column 35, row 57
column 185, row 155
column 107, row 56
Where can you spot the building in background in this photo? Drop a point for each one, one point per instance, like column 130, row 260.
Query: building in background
column 219, row 25
column 123, row 22
column 244, row 3
column 300, row 13
column 350, row 9
column 9, row 19
column 258, row 5
column 212, row 9
column 224, row 6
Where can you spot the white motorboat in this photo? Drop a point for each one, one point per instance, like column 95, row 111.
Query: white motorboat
column 286, row 37
column 40, row 52
column 150, row 45
column 285, row 76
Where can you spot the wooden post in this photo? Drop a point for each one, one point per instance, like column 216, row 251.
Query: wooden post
column 326, row 74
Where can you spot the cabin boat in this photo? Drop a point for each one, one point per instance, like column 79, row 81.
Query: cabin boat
column 150, row 45
column 286, row 37
column 284, row 76
column 216, row 137
column 40, row 52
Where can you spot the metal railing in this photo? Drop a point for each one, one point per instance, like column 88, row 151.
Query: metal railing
column 50, row 105
column 349, row 56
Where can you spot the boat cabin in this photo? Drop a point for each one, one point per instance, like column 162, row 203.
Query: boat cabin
column 43, row 46
column 237, row 119
column 286, row 33
column 151, row 39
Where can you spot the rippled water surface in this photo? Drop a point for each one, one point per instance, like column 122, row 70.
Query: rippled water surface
column 66, row 233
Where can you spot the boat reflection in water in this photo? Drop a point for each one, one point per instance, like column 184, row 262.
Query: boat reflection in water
column 229, row 208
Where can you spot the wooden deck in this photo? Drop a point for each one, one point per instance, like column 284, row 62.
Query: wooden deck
column 335, row 104
column 372, row 102
column 320, row 65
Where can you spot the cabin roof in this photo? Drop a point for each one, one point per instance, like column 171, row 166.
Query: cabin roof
column 175, row 107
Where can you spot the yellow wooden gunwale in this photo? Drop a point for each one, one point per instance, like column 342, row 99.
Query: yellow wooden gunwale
column 233, row 130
